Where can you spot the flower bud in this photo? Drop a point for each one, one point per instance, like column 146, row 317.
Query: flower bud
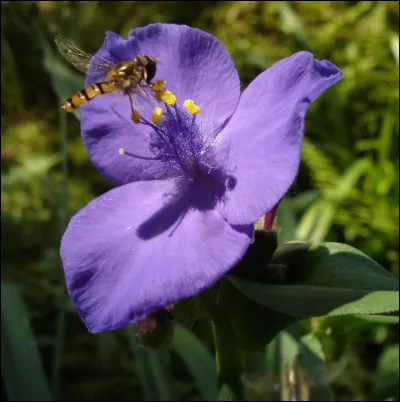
column 156, row 330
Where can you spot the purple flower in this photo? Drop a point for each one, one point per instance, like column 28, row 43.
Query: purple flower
column 189, row 187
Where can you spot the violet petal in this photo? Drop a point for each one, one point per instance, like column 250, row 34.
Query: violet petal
column 262, row 142
column 141, row 247
column 106, row 126
column 196, row 66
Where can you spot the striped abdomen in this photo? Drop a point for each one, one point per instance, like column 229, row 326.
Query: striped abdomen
column 90, row 92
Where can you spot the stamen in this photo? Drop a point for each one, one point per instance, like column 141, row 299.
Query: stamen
column 156, row 115
column 135, row 116
column 169, row 111
column 177, row 114
column 163, row 96
column 166, row 96
column 158, row 85
column 191, row 107
column 158, row 131
column 122, row 151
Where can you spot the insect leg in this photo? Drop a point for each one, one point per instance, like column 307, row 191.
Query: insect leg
column 113, row 108
column 135, row 116
column 144, row 96
column 131, row 102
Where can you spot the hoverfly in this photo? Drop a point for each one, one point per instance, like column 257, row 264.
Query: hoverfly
column 129, row 77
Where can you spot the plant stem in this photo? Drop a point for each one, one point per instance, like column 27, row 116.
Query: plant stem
column 229, row 367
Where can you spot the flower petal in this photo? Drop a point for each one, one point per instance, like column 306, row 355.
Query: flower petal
column 195, row 66
column 106, row 125
column 141, row 247
column 115, row 49
column 261, row 144
column 104, row 133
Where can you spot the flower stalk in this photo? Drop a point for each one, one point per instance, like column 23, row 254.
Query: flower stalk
column 229, row 367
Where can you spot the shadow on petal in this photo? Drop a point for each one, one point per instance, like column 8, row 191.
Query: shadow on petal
column 202, row 194
column 164, row 218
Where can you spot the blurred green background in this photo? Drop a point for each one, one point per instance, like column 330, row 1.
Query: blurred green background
column 347, row 189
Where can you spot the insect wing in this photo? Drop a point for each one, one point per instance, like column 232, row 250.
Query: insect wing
column 83, row 61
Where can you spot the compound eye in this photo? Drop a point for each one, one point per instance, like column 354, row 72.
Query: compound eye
column 151, row 70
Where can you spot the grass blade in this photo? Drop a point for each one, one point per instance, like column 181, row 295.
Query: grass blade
column 151, row 368
column 286, row 221
column 21, row 366
column 159, row 360
column 199, row 362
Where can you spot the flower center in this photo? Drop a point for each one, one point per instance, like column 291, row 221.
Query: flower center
column 179, row 142
column 182, row 145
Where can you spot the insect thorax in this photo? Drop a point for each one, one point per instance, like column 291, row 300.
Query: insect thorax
column 127, row 69
column 131, row 72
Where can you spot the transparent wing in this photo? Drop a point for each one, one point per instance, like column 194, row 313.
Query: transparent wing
column 84, row 62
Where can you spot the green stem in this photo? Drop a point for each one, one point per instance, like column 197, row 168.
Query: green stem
column 229, row 367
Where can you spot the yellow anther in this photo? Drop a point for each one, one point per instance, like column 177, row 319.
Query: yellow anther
column 191, row 107
column 156, row 115
column 167, row 96
column 121, row 151
column 135, row 116
column 158, row 85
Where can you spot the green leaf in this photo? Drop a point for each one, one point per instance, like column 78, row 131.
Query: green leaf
column 229, row 362
column 291, row 23
column 334, row 279
column 371, row 303
column 386, row 377
column 151, row 369
column 199, row 362
column 311, row 359
column 314, row 301
column 159, row 364
column 248, row 324
column 394, row 47
column 318, row 220
column 303, row 200
column 380, row 319
column 286, row 221
column 342, row 266
column 301, row 357
column 21, row 366
column 274, row 365
column 31, row 167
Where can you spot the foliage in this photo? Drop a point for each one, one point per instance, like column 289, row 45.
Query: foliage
column 346, row 191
